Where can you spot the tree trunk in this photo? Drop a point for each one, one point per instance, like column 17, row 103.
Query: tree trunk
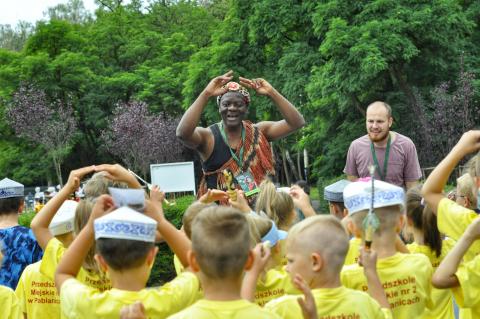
column 285, row 168
column 58, row 169
column 299, row 165
column 292, row 165
column 305, row 163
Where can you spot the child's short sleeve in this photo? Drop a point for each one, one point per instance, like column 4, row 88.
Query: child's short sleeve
column 468, row 274
column 177, row 294
column 51, row 257
column 9, row 304
column 20, row 293
column 453, row 220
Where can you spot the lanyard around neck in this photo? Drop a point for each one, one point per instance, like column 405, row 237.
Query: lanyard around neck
column 225, row 139
column 382, row 173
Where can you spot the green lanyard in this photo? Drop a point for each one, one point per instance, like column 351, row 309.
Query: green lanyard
column 382, row 173
column 238, row 160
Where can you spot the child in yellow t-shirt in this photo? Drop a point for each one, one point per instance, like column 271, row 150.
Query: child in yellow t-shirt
column 220, row 253
column 459, row 223
column 125, row 252
column 8, row 301
column 428, row 241
column 316, row 249
column 36, row 292
column 405, row 277
column 274, row 281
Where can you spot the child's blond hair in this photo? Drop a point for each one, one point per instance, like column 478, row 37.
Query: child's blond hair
column 82, row 214
column 190, row 213
column 278, row 205
column 466, row 187
column 98, row 185
column 322, row 234
column 388, row 216
column 220, row 241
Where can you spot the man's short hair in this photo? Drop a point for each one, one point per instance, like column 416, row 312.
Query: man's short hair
column 323, row 234
column 10, row 205
column 221, row 242
column 387, row 107
column 123, row 254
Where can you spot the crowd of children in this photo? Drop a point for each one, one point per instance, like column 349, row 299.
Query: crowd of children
column 380, row 253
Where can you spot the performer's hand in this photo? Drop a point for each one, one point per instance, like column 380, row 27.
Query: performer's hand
column 214, row 88
column 213, row 195
column 261, row 86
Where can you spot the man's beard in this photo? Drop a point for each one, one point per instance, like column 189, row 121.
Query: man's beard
column 382, row 136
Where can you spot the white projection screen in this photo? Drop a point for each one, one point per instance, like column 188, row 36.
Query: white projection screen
column 174, row 177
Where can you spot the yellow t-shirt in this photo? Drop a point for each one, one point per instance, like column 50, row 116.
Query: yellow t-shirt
column 178, row 265
column 10, row 308
column 49, row 263
column 235, row 309
column 467, row 294
column 338, row 302
column 353, row 251
column 406, row 279
column 37, row 294
column 442, row 298
column 453, row 220
column 276, row 283
column 81, row 301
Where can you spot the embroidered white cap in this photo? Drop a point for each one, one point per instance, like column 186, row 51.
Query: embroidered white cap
column 9, row 188
column 126, row 223
column 357, row 196
column 63, row 220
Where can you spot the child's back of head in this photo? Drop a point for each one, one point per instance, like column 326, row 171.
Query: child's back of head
column 190, row 213
column 220, row 241
column 323, row 235
column 11, row 197
column 98, row 185
column 423, row 219
column 277, row 205
column 466, row 194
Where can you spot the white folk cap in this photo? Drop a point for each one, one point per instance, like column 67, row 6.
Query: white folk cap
column 357, row 196
column 63, row 220
column 126, row 223
column 9, row 188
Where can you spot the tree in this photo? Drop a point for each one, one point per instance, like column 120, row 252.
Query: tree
column 72, row 11
column 140, row 138
column 15, row 38
column 50, row 124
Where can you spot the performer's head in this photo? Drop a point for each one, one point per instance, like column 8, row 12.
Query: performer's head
column 379, row 120
column 233, row 105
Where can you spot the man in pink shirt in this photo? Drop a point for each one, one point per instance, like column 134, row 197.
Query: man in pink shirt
column 394, row 154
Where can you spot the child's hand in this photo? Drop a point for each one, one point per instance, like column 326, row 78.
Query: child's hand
column 241, row 203
column 133, row 311
column 76, row 176
column 154, row 209
column 368, row 259
column 469, row 142
column 261, row 255
column 116, row 172
column 103, row 205
column 157, row 195
column 309, row 308
column 300, row 198
column 213, row 195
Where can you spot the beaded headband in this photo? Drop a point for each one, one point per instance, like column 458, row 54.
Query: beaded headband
column 235, row 87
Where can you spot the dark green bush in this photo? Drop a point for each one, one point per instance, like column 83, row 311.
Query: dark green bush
column 25, row 218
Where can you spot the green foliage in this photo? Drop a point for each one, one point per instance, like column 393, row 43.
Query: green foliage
column 25, row 218
column 163, row 269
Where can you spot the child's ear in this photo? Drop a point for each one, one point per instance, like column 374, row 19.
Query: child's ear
column 192, row 261
column 151, row 256
column 400, row 223
column 250, row 259
column 317, row 262
column 101, row 263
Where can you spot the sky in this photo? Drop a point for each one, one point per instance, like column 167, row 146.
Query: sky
column 12, row 11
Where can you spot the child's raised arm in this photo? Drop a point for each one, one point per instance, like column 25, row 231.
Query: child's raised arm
column 176, row 239
column 75, row 255
column 116, row 172
column 432, row 190
column 444, row 276
column 44, row 217
column 260, row 255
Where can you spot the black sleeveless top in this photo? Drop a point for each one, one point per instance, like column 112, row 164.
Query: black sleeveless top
column 220, row 155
